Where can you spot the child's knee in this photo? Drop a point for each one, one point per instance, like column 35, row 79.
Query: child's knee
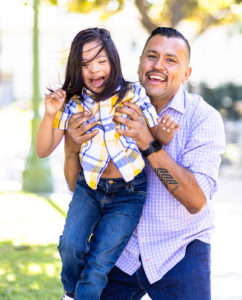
column 73, row 247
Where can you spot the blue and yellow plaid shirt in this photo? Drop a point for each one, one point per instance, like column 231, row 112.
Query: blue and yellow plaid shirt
column 108, row 144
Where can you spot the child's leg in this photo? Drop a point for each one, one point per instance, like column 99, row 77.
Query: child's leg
column 122, row 205
column 83, row 214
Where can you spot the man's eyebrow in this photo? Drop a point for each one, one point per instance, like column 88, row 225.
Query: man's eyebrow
column 171, row 55
column 156, row 52
column 152, row 51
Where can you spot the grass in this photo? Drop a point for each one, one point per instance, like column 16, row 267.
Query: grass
column 29, row 272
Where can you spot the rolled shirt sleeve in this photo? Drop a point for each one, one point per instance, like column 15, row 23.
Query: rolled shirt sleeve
column 206, row 143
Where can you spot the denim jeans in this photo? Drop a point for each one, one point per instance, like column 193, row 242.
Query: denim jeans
column 111, row 213
column 188, row 280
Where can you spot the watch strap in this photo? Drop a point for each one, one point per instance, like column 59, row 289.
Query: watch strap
column 154, row 146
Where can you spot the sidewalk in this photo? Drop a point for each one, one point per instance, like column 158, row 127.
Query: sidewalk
column 227, row 242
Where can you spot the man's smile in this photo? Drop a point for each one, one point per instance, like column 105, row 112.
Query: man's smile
column 156, row 77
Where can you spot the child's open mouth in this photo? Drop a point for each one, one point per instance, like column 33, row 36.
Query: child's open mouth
column 97, row 82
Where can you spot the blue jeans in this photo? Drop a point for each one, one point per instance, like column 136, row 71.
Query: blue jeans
column 111, row 213
column 188, row 280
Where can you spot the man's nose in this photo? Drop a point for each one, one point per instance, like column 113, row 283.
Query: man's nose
column 159, row 63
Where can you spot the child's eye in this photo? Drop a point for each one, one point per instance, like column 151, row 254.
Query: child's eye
column 102, row 61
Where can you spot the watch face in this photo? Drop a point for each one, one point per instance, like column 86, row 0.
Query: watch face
column 156, row 145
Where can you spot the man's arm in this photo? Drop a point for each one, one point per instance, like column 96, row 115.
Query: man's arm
column 180, row 182
column 75, row 136
column 72, row 163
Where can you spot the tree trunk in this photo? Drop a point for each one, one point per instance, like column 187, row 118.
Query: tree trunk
column 145, row 19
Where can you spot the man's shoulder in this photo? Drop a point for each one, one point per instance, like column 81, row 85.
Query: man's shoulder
column 198, row 103
column 200, row 109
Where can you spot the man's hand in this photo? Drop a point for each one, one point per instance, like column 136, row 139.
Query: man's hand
column 137, row 127
column 75, row 136
column 76, row 133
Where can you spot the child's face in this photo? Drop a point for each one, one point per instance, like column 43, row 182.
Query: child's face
column 97, row 70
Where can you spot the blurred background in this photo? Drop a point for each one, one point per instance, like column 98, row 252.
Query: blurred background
column 35, row 37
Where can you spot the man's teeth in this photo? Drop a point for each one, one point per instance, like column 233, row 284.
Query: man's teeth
column 156, row 77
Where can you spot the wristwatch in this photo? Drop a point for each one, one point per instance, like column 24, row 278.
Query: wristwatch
column 155, row 146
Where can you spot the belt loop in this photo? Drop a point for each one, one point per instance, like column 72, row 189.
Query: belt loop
column 107, row 186
column 129, row 186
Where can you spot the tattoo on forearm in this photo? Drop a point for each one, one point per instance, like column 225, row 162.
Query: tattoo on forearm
column 166, row 179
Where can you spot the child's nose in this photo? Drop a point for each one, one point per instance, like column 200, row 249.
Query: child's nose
column 94, row 67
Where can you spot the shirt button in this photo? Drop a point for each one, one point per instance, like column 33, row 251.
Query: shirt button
column 110, row 181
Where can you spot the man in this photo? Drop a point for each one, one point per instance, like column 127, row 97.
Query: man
column 168, row 255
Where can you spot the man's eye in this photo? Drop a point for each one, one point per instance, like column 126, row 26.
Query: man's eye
column 170, row 60
column 152, row 56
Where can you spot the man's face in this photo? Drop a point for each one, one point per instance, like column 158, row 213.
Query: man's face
column 163, row 68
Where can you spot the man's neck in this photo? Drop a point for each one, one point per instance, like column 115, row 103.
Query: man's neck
column 159, row 104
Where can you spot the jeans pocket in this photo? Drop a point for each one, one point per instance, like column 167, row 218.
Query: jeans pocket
column 140, row 189
column 81, row 179
column 140, row 194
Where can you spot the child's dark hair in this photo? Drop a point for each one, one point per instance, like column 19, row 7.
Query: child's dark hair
column 74, row 82
column 169, row 32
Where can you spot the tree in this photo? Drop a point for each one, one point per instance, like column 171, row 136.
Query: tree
column 200, row 13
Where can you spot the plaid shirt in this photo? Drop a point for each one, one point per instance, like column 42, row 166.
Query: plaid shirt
column 108, row 144
column 166, row 227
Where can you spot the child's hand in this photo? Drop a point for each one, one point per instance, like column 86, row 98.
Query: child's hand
column 168, row 124
column 165, row 130
column 54, row 101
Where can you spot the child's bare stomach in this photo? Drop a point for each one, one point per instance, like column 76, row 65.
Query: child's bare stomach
column 111, row 171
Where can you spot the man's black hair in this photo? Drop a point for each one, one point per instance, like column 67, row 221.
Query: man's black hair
column 169, row 32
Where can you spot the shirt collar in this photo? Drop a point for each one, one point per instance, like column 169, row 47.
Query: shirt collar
column 87, row 95
column 87, row 91
column 177, row 102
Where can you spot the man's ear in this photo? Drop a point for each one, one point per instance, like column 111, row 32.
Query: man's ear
column 187, row 74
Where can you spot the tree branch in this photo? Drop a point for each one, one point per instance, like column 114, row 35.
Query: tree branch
column 145, row 19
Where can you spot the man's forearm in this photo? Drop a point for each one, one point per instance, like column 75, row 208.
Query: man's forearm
column 180, row 182
column 71, row 169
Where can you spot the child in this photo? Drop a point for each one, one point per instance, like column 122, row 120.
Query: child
column 107, row 206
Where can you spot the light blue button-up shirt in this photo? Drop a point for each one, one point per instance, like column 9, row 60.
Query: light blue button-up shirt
column 166, row 227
